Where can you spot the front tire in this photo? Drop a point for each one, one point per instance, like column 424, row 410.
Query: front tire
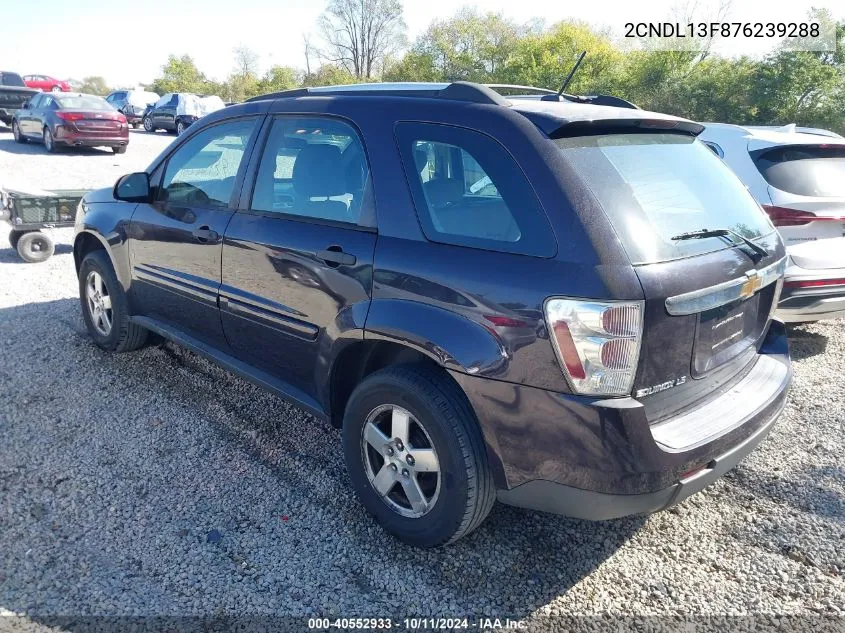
column 416, row 457
column 105, row 308
column 148, row 125
column 56, row 89
column 34, row 247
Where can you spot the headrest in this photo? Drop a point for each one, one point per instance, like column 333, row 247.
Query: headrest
column 421, row 159
column 318, row 172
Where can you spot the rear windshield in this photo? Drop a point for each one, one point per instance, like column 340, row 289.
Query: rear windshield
column 11, row 79
column 83, row 102
column 654, row 186
column 805, row 170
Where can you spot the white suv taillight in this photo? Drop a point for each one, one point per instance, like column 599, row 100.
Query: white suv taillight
column 597, row 343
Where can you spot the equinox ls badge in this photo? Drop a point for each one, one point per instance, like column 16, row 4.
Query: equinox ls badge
column 647, row 391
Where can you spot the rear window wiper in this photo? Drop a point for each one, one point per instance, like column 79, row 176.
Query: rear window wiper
column 702, row 233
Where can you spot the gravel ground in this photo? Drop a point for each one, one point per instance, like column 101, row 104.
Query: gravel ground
column 130, row 485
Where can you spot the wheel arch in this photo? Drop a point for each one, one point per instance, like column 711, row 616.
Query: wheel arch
column 87, row 241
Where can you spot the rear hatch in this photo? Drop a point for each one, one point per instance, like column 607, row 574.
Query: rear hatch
column 708, row 299
column 806, row 185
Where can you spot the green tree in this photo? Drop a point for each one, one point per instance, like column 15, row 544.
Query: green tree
column 544, row 59
column 93, row 86
column 180, row 74
column 470, row 46
column 278, row 78
column 329, row 75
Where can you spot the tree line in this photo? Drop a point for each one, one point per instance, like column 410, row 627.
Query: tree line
column 364, row 40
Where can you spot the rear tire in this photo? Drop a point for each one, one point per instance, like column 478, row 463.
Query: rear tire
column 49, row 141
column 15, row 236
column 180, row 128
column 16, row 132
column 56, row 89
column 121, row 335
column 34, row 247
column 121, row 149
column 134, row 126
column 441, row 421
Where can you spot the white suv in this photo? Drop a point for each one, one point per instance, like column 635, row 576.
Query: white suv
column 798, row 176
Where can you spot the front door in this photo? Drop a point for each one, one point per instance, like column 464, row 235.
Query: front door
column 175, row 242
column 297, row 264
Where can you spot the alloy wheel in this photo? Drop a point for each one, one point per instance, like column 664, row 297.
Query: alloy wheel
column 99, row 303
column 400, row 461
column 48, row 140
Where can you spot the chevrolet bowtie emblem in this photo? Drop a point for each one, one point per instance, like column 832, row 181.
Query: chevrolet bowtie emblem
column 751, row 285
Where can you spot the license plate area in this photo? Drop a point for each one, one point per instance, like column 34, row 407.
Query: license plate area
column 725, row 332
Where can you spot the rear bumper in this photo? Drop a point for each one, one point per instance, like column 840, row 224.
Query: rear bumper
column 601, row 459
column 64, row 136
column 813, row 303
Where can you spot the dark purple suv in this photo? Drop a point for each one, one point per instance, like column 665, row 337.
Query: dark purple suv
column 563, row 305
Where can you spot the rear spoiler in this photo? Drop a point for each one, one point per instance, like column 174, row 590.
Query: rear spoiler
column 554, row 128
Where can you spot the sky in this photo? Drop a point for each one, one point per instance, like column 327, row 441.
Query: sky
column 128, row 42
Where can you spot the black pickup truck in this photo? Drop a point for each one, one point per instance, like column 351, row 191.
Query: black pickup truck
column 13, row 94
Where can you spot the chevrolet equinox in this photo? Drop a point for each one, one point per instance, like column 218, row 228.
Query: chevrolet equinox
column 541, row 299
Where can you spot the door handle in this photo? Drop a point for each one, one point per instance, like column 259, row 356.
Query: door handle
column 334, row 257
column 206, row 235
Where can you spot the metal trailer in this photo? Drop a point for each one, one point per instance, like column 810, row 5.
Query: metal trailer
column 30, row 214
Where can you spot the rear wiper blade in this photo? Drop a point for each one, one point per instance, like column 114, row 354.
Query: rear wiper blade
column 695, row 235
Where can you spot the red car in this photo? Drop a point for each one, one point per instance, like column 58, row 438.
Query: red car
column 70, row 120
column 46, row 83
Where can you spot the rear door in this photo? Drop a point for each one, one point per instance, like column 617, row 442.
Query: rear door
column 298, row 254
column 708, row 300
column 175, row 242
column 25, row 116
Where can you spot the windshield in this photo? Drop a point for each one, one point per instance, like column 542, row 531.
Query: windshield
column 83, row 102
column 805, row 170
column 11, row 79
column 655, row 186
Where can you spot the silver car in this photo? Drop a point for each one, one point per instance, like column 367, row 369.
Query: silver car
column 798, row 176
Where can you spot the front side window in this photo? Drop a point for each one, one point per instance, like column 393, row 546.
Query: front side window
column 804, row 170
column 655, row 186
column 202, row 172
column 469, row 191
column 312, row 167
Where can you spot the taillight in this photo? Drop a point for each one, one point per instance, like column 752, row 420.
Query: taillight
column 784, row 216
column 813, row 283
column 597, row 343
column 70, row 116
column 121, row 118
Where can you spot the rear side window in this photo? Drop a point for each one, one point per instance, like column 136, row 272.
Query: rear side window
column 655, row 186
column 11, row 79
column 804, row 170
column 312, row 168
column 469, row 191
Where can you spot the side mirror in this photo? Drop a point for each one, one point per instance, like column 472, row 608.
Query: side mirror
column 133, row 187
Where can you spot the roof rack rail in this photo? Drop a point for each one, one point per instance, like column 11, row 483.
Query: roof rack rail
column 457, row 91
column 518, row 88
column 603, row 100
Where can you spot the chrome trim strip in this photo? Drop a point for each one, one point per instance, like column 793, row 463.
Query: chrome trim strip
column 725, row 292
